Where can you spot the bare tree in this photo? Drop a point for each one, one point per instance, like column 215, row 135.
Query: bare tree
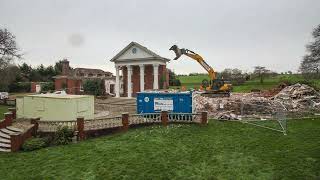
column 310, row 63
column 8, row 52
column 8, row 45
column 261, row 72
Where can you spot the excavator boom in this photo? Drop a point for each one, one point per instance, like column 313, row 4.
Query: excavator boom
column 217, row 87
column 195, row 56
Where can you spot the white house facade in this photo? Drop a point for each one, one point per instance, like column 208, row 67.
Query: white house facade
column 141, row 69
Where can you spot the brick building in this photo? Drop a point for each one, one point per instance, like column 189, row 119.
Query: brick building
column 71, row 80
column 141, row 69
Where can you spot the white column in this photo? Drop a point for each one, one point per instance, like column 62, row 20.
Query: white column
column 155, row 76
column 129, row 68
column 141, row 77
column 117, row 86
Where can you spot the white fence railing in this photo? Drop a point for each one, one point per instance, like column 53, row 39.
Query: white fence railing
column 52, row 126
column 103, row 123
column 183, row 117
column 116, row 122
column 145, row 118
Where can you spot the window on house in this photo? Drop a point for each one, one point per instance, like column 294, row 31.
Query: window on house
column 90, row 75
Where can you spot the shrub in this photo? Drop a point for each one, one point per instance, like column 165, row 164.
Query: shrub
column 162, row 81
column 20, row 87
column 174, row 82
column 63, row 136
column 48, row 86
column 94, row 87
column 34, row 144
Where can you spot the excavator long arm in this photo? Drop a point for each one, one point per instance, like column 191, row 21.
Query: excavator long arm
column 206, row 66
column 195, row 56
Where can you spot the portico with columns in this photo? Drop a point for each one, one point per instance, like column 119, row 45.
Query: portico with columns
column 141, row 68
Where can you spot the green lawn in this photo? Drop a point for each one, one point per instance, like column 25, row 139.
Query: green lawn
column 192, row 81
column 3, row 109
column 269, row 83
column 221, row 150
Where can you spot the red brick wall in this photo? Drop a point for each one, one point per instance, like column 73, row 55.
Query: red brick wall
column 72, row 85
column 59, row 82
column 33, row 87
column 135, row 80
column 163, row 76
column 167, row 78
column 148, row 78
column 125, row 80
column 77, row 86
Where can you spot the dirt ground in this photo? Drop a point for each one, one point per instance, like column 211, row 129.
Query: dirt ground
column 114, row 106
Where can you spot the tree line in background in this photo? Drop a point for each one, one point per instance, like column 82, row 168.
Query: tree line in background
column 235, row 76
column 19, row 77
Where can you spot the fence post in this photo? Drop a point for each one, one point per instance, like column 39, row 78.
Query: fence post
column 8, row 118
column 125, row 121
column 15, row 142
column 204, row 118
column 80, row 127
column 14, row 112
column 35, row 122
column 164, row 118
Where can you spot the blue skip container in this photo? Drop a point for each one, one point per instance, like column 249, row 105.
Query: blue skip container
column 154, row 102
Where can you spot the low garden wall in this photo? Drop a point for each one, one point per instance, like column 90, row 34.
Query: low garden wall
column 85, row 128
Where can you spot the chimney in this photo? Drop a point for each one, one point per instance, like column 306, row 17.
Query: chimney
column 65, row 67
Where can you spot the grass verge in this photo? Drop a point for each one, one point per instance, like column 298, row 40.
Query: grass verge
column 3, row 109
column 269, row 83
column 221, row 150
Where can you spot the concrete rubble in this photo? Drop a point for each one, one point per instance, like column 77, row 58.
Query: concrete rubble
column 298, row 97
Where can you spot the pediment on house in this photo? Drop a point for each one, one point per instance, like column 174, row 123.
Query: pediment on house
column 135, row 51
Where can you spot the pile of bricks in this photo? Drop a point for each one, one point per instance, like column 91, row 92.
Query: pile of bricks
column 235, row 106
column 299, row 97
column 295, row 98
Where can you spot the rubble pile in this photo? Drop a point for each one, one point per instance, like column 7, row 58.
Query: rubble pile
column 295, row 98
column 299, row 97
column 236, row 106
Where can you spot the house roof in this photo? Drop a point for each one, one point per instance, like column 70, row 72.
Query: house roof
column 88, row 70
column 141, row 47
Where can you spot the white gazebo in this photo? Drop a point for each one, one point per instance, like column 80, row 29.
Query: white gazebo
column 141, row 69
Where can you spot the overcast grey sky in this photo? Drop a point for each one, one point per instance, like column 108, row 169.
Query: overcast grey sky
column 228, row 34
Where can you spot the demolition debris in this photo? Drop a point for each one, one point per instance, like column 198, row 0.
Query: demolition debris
column 299, row 97
column 295, row 98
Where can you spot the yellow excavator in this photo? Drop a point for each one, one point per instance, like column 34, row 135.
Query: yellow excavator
column 214, row 87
